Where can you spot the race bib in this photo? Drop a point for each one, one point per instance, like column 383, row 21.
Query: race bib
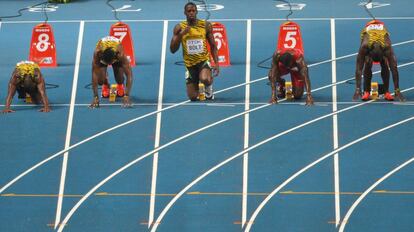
column 110, row 39
column 25, row 62
column 378, row 27
column 195, row 46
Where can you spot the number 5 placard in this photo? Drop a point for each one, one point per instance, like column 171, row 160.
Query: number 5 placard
column 42, row 46
column 289, row 36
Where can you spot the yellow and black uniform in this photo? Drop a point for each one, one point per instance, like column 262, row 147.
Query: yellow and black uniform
column 376, row 32
column 195, row 52
column 26, row 69
column 108, row 42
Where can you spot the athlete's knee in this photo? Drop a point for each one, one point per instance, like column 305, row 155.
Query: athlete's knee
column 297, row 92
column 192, row 95
column 207, row 81
column 120, row 80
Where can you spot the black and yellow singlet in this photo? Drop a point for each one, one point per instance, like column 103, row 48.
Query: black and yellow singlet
column 27, row 68
column 194, row 43
column 376, row 32
column 108, row 42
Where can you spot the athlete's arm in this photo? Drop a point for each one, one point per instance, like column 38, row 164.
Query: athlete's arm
column 177, row 36
column 95, row 101
column 10, row 93
column 42, row 90
column 392, row 61
column 128, row 73
column 304, row 72
column 358, row 70
column 273, row 76
column 213, row 48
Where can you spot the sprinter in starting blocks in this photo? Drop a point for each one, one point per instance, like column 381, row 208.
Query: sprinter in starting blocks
column 376, row 47
column 28, row 81
column 289, row 59
column 109, row 51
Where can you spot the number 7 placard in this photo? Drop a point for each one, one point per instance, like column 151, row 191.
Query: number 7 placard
column 42, row 46
column 289, row 37
column 122, row 31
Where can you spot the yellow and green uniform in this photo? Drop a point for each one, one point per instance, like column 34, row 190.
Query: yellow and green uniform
column 376, row 32
column 108, row 42
column 194, row 43
column 26, row 68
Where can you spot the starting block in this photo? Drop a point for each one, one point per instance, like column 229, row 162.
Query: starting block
column 220, row 38
column 28, row 99
column 112, row 93
column 289, row 37
column 122, row 31
column 289, row 91
column 42, row 46
column 201, row 92
column 374, row 90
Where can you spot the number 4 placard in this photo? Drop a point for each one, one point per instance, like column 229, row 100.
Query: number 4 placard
column 42, row 46
column 289, row 36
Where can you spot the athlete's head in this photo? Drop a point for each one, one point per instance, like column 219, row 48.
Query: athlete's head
column 109, row 56
column 190, row 11
column 286, row 59
column 376, row 52
column 28, row 83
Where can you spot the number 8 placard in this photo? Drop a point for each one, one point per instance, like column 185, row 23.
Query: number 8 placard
column 42, row 46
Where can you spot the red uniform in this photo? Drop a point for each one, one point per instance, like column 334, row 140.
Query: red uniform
column 294, row 72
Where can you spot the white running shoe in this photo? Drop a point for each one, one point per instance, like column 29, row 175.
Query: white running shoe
column 209, row 92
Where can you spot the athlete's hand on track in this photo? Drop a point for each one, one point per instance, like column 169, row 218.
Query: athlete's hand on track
column 7, row 110
column 399, row 96
column 309, row 100
column 45, row 109
column 126, row 102
column 95, row 103
column 357, row 95
column 273, row 99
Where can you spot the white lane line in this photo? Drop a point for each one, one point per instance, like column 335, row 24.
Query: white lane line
column 276, row 190
column 335, row 126
column 246, row 125
column 366, row 192
column 223, row 19
column 69, row 127
column 72, row 211
column 158, row 126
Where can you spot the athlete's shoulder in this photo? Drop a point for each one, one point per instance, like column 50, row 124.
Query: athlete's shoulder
column 182, row 23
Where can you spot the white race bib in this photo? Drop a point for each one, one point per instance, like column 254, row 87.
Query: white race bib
column 25, row 62
column 195, row 46
column 110, row 38
column 379, row 27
